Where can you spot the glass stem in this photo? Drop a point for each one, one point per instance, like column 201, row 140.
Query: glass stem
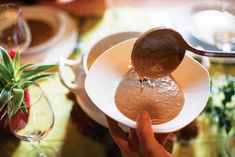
column 40, row 152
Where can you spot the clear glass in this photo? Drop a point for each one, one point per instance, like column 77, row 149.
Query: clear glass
column 35, row 124
column 14, row 31
column 224, row 36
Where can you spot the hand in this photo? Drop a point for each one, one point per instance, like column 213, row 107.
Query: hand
column 141, row 141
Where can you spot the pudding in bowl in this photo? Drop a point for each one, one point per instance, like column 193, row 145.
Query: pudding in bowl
column 51, row 23
column 162, row 98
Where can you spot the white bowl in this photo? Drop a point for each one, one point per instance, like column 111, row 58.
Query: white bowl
column 80, row 68
column 109, row 69
column 104, row 44
column 49, row 15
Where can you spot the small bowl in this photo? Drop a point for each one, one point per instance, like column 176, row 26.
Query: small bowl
column 49, row 15
column 109, row 69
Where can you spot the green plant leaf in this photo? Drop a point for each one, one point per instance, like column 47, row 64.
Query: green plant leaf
column 26, row 84
column 2, row 81
column 24, row 108
column 18, row 97
column 21, row 69
column 7, row 61
column 4, row 95
column 39, row 77
column 36, row 71
column 16, row 60
column 5, row 73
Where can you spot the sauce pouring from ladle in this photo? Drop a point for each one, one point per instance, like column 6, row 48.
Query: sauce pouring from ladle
column 159, row 52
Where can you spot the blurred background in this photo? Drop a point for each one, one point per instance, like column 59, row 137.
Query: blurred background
column 47, row 30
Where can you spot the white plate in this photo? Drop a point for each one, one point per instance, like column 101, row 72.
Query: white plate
column 63, row 47
column 110, row 68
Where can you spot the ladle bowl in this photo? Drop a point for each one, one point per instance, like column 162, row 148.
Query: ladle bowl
column 160, row 51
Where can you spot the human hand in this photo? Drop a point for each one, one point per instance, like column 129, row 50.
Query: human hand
column 141, row 141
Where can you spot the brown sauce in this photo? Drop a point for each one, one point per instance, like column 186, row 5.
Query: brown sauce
column 41, row 31
column 163, row 100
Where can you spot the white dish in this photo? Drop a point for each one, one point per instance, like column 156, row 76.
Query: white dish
column 49, row 15
column 104, row 44
column 206, row 23
column 63, row 47
column 81, row 67
column 108, row 70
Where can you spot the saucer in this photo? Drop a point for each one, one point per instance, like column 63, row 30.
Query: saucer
column 109, row 69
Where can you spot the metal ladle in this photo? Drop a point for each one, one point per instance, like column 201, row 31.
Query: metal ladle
column 159, row 52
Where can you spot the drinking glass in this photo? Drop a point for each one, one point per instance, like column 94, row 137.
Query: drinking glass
column 36, row 122
column 14, row 31
column 224, row 37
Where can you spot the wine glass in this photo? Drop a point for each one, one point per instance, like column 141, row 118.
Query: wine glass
column 33, row 122
column 14, row 31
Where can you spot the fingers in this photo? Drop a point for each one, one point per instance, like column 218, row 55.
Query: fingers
column 148, row 144
column 117, row 133
column 161, row 138
column 144, row 130
column 133, row 140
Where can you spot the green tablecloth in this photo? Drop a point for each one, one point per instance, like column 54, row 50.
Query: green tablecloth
column 74, row 134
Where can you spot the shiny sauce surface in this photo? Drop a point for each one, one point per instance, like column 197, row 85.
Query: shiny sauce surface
column 162, row 98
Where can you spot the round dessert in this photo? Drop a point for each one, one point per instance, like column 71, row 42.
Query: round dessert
column 162, row 98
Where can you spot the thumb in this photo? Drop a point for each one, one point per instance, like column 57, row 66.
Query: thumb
column 144, row 130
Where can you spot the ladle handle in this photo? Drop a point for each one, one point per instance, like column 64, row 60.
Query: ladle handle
column 212, row 53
